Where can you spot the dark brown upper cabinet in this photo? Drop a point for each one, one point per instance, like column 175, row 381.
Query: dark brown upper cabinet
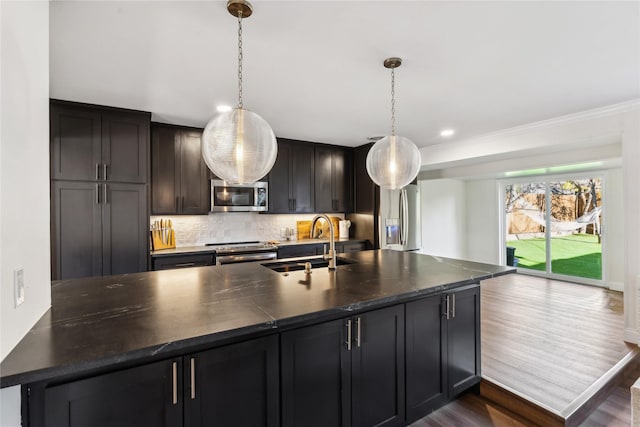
column 331, row 193
column 91, row 143
column 291, row 180
column 99, row 174
column 365, row 190
column 179, row 176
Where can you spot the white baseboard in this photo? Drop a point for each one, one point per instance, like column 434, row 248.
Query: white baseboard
column 616, row 286
column 631, row 335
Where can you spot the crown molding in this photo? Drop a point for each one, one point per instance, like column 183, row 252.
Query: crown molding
column 601, row 112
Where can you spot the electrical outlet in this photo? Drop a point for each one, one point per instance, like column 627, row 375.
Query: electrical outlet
column 18, row 286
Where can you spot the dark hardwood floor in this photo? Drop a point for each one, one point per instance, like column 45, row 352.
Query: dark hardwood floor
column 547, row 341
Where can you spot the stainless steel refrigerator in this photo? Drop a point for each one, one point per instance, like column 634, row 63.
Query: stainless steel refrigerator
column 399, row 219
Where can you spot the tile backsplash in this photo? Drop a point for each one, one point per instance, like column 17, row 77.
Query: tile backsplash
column 194, row 230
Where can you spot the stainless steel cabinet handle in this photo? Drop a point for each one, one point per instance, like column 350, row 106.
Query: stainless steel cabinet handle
column 453, row 306
column 97, row 194
column 193, row 378
column 447, row 307
column 359, row 330
column 177, row 203
column 106, row 193
column 105, row 171
column 348, row 325
column 97, row 171
column 174, row 368
column 186, row 264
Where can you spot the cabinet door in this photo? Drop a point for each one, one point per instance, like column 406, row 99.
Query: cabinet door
column 330, row 188
column 378, row 368
column 194, row 175
column 302, row 177
column 316, row 367
column 339, row 180
column 236, row 385
column 125, row 225
column 280, row 197
column 125, row 146
column 463, row 339
column 165, row 180
column 365, row 188
column 143, row 396
column 76, row 229
column 426, row 357
column 324, row 179
column 75, row 143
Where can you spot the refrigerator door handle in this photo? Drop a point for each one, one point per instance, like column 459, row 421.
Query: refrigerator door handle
column 404, row 219
column 400, row 218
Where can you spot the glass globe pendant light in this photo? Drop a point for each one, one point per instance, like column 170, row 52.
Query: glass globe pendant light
column 239, row 146
column 393, row 161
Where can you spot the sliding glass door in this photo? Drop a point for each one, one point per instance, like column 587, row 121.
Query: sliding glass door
column 553, row 227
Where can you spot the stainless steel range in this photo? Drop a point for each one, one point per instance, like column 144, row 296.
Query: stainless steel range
column 231, row 253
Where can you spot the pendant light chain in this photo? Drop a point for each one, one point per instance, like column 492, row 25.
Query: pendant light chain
column 240, row 60
column 393, row 102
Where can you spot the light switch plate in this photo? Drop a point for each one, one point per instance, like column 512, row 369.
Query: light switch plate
column 18, row 286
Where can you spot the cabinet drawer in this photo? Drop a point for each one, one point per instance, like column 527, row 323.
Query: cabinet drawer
column 354, row 247
column 294, row 251
column 183, row 261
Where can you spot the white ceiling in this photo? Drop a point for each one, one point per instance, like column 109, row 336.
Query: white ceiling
column 313, row 69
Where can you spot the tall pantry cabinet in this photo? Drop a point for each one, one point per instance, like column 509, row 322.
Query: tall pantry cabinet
column 99, row 185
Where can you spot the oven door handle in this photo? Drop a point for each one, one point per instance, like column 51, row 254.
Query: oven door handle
column 231, row 259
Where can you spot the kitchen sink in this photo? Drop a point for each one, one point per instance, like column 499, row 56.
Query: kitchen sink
column 299, row 263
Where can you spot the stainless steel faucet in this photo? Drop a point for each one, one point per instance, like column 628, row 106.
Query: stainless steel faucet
column 331, row 256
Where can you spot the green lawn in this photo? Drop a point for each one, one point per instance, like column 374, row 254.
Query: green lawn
column 574, row 255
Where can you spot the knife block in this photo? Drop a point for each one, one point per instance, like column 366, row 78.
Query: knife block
column 163, row 238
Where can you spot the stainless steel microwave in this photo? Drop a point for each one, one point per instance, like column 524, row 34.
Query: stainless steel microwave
column 238, row 197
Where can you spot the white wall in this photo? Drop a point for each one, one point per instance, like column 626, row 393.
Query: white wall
column 631, row 183
column 443, row 222
column 24, row 176
column 483, row 221
column 613, row 229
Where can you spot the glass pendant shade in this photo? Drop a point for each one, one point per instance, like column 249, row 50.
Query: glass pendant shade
column 239, row 146
column 393, row 162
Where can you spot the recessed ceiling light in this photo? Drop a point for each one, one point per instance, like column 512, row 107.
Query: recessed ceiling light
column 447, row 132
column 223, row 108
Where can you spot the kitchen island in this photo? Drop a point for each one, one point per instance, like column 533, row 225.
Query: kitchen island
column 114, row 325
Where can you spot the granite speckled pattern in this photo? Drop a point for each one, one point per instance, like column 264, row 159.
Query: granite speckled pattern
column 107, row 321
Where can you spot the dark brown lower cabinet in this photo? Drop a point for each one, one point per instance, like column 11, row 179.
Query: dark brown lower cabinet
column 234, row 385
column 463, row 339
column 182, row 261
column 347, row 372
column 443, row 348
column 426, row 356
column 98, row 228
column 137, row 397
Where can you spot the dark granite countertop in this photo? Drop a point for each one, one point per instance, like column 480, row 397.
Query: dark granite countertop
column 100, row 322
